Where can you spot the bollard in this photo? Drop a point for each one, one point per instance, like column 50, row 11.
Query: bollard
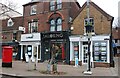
column 48, row 68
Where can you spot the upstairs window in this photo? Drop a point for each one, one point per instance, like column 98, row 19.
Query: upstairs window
column 10, row 23
column 55, row 4
column 56, row 24
column 59, row 24
column 52, row 25
column 59, row 4
column 33, row 9
column 33, row 27
column 91, row 20
column 52, row 5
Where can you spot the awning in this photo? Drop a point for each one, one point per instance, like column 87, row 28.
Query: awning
column 10, row 43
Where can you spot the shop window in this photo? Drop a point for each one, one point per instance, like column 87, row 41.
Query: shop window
column 52, row 5
column 15, row 51
column 29, row 50
column 75, row 50
column 91, row 20
column 60, row 51
column 33, row 9
column 35, row 51
column 59, row 4
column 33, row 27
column 100, row 51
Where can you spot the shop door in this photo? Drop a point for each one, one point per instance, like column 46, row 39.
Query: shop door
column 84, row 54
column 47, row 53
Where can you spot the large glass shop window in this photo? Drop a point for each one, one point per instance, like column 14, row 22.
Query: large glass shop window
column 100, row 51
column 75, row 50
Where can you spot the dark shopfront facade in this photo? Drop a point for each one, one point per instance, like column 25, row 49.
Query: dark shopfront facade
column 59, row 39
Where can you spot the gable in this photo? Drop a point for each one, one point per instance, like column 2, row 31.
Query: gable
column 102, row 20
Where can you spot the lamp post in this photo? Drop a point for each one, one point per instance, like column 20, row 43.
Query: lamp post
column 88, row 33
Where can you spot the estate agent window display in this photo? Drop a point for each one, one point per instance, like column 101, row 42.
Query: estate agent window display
column 100, row 51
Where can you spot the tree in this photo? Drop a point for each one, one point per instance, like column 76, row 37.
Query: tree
column 7, row 9
column 117, row 22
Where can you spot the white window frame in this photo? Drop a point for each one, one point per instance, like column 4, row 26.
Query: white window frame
column 85, row 22
column 52, row 5
column 33, row 25
column 10, row 23
column 59, row 24
column 52, row 26
column 59, row 4
column 33, row 9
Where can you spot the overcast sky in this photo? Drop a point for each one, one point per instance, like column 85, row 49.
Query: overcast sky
column 109, row 6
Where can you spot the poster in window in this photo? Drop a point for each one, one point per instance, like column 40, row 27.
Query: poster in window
column 29, row 48
column 96, row 48
column 103, row 53
column 96, row 53
column 103, row 44
column 96, row 44
column 103, row 48
column 96, row 58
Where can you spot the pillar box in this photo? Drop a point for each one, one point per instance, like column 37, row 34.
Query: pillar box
column 7, row 56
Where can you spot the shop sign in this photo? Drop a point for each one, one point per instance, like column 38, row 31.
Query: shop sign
column 55, row 35
column 31, row 37
column 59, row 35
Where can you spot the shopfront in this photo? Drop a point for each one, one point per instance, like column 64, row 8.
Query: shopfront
column 61, row 41
column 75, row 49
column 99, row 48
column 30, row 45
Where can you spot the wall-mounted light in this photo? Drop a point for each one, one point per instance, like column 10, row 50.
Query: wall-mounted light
column 72, row 28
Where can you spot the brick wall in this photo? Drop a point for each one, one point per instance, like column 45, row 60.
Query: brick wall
column 43, row 14
column 116, row 33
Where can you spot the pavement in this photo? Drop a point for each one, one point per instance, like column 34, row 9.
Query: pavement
column 20, row 68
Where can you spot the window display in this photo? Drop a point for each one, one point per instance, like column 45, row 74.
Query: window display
column 100, row 51
column 75, row 50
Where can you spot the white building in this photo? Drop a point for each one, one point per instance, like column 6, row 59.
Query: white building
column 31, row 44
column 99, row 49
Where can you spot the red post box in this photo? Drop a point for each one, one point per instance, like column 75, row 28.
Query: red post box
column 7, row 56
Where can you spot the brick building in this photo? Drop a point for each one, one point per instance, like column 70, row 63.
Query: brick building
column 101, row 48
column 6, row 12
column 11, row 33
column 46, row 23
column 116, row 39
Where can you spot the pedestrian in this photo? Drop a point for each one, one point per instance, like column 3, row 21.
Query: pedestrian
column 53, row 61
column 53, row 51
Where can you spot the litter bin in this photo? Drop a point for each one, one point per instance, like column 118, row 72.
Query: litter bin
column 7, row 56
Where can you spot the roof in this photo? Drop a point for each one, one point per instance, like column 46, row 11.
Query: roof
column 18, row 21
column 30, row 3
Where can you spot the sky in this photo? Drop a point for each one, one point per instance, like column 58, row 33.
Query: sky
column 109, row 6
